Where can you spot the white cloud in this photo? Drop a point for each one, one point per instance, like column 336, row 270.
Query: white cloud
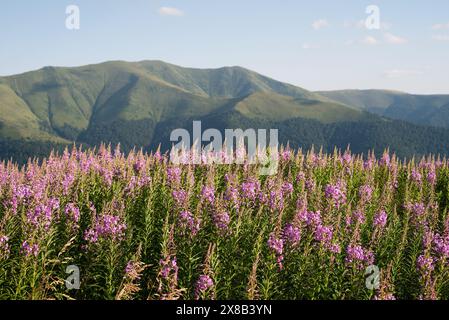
column 391, row 38
column 440, row 26
column 319, row 24
column 440, row 37
column 370, row 40
column 169, row 11
column 361, row 24
column 400, row 73
column 308, row 46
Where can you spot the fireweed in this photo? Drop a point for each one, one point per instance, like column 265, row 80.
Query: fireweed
column 139, row 227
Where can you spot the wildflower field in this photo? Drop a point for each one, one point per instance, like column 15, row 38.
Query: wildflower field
column 138, row 227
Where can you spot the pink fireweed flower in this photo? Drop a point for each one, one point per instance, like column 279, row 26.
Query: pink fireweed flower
column 323, row 234
column 335, row 248
column 169, row 266
column 425, row 264
column 431, row 177
column 417, row 208
column 139, row 165
column 221, row 220
column 286, row 154
column 287, row 188
column 300, row 177
column 180, row 197
column 365, row 193
column 107, row 226
column 441, row 245
column 310, row 218
column 336, row 193
column 346, row 159
column 250, row 190
column 4, row 247
column 275, row 201
column 203, row 284
column 67, row 183
column 385, row 160
column 232, row 196
column 42, row 215
column 72, row 212
column 416, row 176
column 208, row 195
column 380, row 219
column 132, row 270
column 30, row 249
column 368, row 164
column 359, row 216
column 291, row 235
column 276, row 245
column 189, row 222
column 357, row 254
column 310, row 184
column 174, row 175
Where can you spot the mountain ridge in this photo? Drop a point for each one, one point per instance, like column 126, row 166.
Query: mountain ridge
column 136, row 103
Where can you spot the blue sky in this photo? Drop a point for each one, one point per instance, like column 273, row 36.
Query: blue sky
column 318, row 45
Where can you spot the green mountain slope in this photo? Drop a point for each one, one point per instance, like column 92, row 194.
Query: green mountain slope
column 71, row 102
column 431, row 110
column 138, row 104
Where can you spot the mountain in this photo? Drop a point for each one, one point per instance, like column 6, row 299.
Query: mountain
column 139, row 103
column 430, row 110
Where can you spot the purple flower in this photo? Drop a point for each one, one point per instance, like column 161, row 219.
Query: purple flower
column 180, row 197
column 365, row 193
column 4, row 247
column 431, row 177
column 174, row 175
column 72, row 212
column 276, row 245
column 232, row 196
column 221, row 220
column 354, row 253
column 336, row 193
column 441, row 245
column 203, row 284
column 30, row 249
column 323, row 234
column 107, row 226
column 310, row 218
column 310, row 184
column 169, row 266
column 416, row 208
column 291, row 234
column 385, row 160
column 380, row 219
column 287, row 188
column 425, row 264
column 139, row 165
column 250, row 190
column 416, row 176
column 335, row 248
column 208, row 194
column 188, row 221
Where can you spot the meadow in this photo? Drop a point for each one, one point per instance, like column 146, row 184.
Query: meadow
column 138, row 227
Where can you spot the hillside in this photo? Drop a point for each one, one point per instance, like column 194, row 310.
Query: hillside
column 138, row 104
column 430, row 110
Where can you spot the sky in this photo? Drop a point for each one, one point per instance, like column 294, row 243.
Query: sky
column 317, row 45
